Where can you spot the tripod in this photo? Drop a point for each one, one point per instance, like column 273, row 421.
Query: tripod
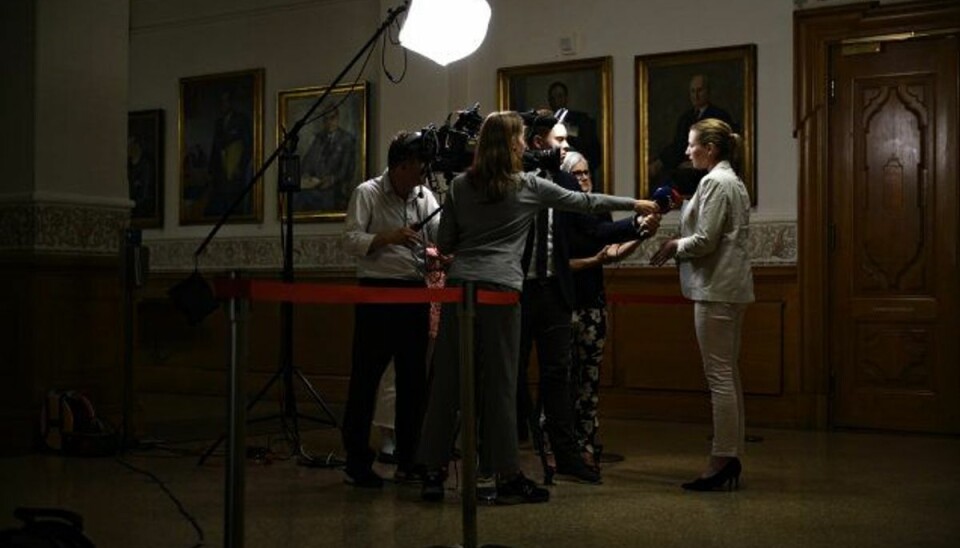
column 289, row 183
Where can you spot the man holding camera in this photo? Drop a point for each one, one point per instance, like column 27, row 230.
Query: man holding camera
column 387, row 229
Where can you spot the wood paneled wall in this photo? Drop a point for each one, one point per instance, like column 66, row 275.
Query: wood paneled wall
column 61, row 327
column 653, row 362
column 652, row 368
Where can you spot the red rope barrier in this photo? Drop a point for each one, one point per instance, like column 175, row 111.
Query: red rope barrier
column 300, row 292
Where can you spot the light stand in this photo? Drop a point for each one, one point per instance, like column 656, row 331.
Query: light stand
column 478, row 12
column 134, row 260
column 289, row 182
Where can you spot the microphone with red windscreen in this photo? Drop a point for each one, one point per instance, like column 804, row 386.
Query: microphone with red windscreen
column 666, row 198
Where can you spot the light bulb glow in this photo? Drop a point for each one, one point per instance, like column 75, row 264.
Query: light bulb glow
column 445, row 30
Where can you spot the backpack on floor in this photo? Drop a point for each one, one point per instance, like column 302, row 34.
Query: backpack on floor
column 46, row 528
column 69, row 424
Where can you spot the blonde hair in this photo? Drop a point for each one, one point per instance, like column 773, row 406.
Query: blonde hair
column 497, row 159
column 711, row 131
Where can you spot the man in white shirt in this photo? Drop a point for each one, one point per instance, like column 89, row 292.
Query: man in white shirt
column 387, row 229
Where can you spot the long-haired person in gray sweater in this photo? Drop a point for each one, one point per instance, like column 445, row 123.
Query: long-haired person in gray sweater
column 487, row 215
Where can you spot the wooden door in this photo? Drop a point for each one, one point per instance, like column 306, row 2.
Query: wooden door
column 893, row 238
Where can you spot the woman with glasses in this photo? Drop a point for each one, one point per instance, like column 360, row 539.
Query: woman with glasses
column 589, row 237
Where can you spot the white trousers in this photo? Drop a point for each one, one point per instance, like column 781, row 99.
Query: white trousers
column 384, row 413
column 718, row 327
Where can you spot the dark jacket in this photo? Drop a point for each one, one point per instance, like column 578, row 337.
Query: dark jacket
column 573, row 228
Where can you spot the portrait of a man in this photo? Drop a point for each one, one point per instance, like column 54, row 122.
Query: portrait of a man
column 676, row 90
column 220, row 147
column 331, row 146
column 583, row 88
column 670, row 164
column 329, row 168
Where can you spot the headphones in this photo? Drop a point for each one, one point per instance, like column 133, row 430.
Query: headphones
column 421, row 145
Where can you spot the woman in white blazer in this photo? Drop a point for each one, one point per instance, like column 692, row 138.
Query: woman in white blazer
column 715, row 273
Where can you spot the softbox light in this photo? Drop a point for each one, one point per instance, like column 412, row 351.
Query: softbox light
column 445, row 30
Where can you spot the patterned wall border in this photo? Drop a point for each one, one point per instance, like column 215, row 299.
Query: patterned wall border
column 68, row 229
column 773, row 243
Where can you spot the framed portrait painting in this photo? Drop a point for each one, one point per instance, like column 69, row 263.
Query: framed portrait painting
column 583, row 87
column 332, row 147
column 145, row 167
column 674, row 91
column 221, row 147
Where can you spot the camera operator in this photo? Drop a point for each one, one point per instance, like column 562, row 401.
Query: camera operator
column 390, row 253
column 547, row 304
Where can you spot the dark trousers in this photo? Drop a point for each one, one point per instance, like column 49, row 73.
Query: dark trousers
column 382, row 332
column 496, row 331
column 545, row 321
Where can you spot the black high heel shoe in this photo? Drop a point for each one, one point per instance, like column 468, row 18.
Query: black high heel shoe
column 727, row 478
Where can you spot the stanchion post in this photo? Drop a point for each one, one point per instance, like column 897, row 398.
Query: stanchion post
column 236, row 423
column 467, row 311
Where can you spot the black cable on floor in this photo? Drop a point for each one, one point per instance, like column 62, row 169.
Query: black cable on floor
column 176, row 501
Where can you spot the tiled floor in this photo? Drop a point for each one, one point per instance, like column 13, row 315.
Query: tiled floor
column 799, row 489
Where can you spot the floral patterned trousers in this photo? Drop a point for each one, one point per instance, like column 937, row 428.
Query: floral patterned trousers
column 589, row 336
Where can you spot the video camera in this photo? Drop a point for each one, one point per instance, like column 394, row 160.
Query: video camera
column 449, row 149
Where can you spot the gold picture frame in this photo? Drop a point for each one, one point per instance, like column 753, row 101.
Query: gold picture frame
column 586, row 91
column 145, row 167
column 665, row 88
column 220, row 138
column 332, row 147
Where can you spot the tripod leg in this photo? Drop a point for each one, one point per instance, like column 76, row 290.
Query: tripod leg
column 290, row 410
column 540, row 442
column 250, row 404
column 256, row 398
column 213, row 447
column 318, row 398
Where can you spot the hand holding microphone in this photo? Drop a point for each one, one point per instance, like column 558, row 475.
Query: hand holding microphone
column 666, row 198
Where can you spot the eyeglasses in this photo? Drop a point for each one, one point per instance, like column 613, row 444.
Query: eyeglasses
column 581, row 174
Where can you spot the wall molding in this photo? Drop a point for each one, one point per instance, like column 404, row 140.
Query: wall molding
column 62, row 228
column 771, row 243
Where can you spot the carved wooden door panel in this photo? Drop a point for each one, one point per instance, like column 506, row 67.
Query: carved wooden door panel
column 894, row 329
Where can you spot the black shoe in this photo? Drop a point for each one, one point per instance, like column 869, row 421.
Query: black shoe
column 727, row 477
column 408, row 475
column 578, row 470
column 518, row 490
column 366, row 478
column 432, row 490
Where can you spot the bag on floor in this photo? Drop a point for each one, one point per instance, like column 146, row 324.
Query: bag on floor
column 46, row 528
column 69, row 424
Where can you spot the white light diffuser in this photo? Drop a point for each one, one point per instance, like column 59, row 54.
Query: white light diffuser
column 445, row 30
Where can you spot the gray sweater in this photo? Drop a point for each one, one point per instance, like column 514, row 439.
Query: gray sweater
column 487, row 239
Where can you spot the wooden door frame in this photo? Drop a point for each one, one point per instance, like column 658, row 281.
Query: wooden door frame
column 814, row 32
